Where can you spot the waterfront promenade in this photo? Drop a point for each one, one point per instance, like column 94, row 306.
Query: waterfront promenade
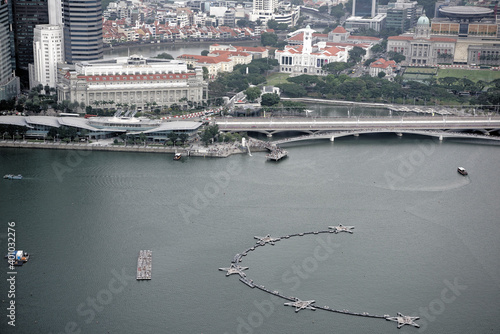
column 219, row 150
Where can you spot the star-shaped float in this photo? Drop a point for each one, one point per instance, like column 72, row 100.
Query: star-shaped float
column 235, row 269
column 404, row 320
column 267, row 239
column 342, row 228
column 301, row 305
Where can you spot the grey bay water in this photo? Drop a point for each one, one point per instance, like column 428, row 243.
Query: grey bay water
column 426, row 239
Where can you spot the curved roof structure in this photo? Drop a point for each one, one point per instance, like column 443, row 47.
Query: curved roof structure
column 465, row 12
column 104, row 124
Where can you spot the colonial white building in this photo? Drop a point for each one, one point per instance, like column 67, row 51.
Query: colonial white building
column 48, row 50
column 420, row 48
column 133, row 80
column 308, row 58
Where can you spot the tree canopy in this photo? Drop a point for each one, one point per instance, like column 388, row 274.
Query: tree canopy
column 335, row 67
column 268, row 39
column 270, row 99
column 252, row 93
column 164, row 55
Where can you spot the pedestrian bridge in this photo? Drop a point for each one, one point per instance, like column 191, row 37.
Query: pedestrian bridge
column 318, row 128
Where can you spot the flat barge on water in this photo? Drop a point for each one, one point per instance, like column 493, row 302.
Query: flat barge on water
column 144, row 264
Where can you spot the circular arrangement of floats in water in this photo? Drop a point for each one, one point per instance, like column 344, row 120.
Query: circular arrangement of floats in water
column 236, row 268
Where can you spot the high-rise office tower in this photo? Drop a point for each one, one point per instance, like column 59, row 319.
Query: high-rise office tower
column 9, row 83
column 27, row 14
column 55, row 12
column 264, row 7
column 82, row 21
column 48, row 49
column 364, row 8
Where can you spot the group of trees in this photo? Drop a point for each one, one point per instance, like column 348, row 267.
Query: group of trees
column 252, row 93
column 13, row 132
column 209, row 134
column 268, row 39
column 66, row 134
column 39, row 99
column 164, row 55
column 239, row 80
column 376, row 89
column 275, row 25
column 491, row 98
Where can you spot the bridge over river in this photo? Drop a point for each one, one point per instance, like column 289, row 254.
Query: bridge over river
column 316, row 128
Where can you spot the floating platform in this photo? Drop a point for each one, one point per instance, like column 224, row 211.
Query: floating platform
column 277, row 155
column 299, row 305
column 144, row 264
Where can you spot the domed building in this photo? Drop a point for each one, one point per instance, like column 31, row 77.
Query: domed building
column 420, row 48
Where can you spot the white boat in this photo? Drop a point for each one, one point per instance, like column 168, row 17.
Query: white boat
column 462, row 171
column 177, row 156
column 17, row 257
column 13, row 177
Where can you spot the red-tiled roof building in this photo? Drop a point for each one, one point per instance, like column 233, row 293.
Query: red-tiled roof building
column 382, row 65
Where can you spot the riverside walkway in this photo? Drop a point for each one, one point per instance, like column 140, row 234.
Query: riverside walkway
column 270, row 126
column 219, row 150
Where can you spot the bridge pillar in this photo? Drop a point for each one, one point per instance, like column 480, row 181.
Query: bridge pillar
column 332, row 138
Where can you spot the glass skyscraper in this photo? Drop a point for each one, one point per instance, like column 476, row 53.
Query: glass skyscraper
column 27, row 14
column 9, row 83
column 82, row 21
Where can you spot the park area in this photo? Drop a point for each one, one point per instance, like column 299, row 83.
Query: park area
column 277, row 78
column 425, row 74
column 473, row 75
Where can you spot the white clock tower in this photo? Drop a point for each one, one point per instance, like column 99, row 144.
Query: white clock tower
column 307, row 42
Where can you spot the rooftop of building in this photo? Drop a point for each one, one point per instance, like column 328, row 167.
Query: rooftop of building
column 382, row 63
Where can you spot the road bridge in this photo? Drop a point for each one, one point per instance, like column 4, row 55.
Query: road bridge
column 441, row 126
column 338, row 134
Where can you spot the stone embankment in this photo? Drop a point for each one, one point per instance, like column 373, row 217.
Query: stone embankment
column 216, row 151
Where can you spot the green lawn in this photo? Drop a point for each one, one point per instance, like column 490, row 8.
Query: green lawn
column 419, row 70
column 277, row 78
column 417, row 77
column 474, row 75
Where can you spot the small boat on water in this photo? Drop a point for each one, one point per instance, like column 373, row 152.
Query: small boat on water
column 177, row 156
column 18, row 257
column 462, row 171
column 13, row 177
